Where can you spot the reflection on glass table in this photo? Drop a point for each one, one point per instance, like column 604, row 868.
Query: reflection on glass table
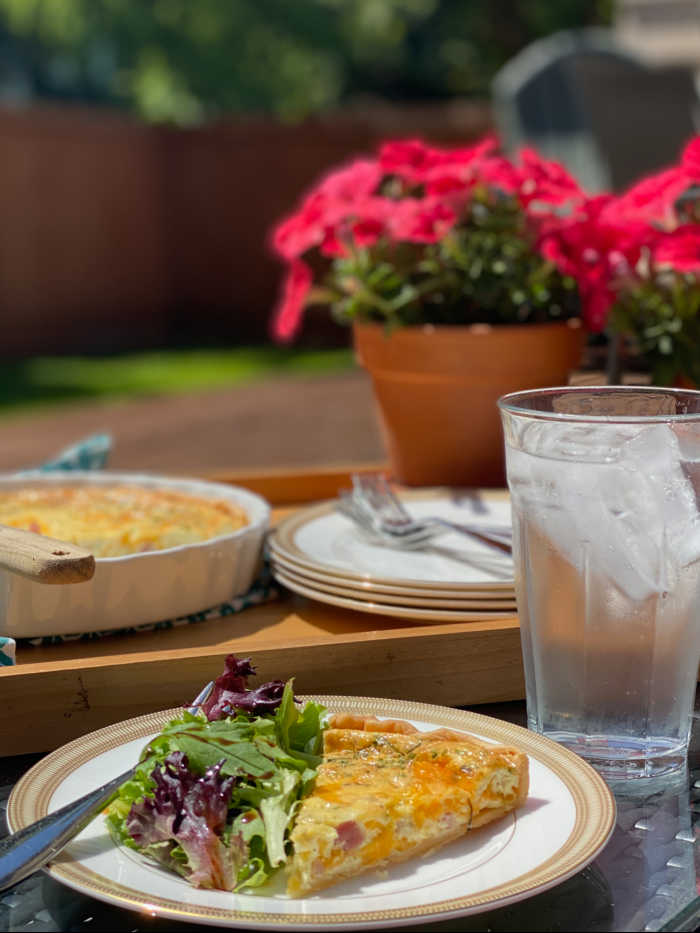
column 646, row 879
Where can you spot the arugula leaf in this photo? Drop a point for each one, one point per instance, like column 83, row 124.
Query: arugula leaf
column 206, row 743
column 204, row 751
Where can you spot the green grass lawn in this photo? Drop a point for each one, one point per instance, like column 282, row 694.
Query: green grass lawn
column 46, row 380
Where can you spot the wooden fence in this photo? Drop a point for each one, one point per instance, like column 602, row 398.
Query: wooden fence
column 117, row 235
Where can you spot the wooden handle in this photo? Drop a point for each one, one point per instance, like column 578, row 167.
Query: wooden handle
column 43, row 559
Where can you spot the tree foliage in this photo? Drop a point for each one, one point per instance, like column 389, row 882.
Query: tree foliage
column 186, row 60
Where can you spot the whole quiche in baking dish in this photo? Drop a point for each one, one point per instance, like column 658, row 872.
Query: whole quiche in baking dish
column 115, row 520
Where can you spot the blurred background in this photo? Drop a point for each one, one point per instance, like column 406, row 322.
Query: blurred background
column 147, row 147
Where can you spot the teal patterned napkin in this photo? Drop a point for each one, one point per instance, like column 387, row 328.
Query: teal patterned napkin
column 88, row 454
column 92, row 454
column 7, row 651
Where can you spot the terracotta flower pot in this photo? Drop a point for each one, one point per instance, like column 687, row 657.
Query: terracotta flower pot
column 436, row 390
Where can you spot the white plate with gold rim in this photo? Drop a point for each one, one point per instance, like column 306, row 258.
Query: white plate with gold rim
column 364, row 585
column 282, row 572
column 566, row 821
column 416, row 614
column 323, row 540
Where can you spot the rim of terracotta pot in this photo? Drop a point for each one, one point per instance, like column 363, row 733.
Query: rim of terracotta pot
column 550, row 348
column 476, row 329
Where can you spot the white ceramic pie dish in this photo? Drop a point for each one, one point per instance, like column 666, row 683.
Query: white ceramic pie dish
column 136, row 589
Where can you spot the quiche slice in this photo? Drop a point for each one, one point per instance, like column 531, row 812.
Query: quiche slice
column 386, row 792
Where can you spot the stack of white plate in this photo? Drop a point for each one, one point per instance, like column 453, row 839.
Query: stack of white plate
column 322, row 554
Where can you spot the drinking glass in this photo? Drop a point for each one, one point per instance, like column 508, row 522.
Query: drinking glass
column 605, row 486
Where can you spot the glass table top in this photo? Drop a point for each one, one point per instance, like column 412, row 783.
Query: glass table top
column 646, row 879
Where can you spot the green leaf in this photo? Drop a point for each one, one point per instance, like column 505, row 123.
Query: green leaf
column 239, row 757
column 276, row 812
column 249, row 824
column 254, row 874
column 306, row 734
column 286, row 715
column 207, row 743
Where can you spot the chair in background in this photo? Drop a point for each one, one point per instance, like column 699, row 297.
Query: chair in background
column 583, row 100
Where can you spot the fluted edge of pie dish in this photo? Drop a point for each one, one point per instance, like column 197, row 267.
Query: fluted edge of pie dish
column 142, row 588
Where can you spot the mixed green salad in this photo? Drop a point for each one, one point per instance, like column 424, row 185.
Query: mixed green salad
column 214, row 795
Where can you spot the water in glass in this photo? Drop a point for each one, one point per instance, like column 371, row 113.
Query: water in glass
column 607, row 551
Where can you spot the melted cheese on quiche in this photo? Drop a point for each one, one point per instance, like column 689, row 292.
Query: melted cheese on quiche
column 116, row 520
column 383, row 797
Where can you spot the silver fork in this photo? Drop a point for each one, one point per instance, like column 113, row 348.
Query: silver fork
column 372, row 495
column 30, row 848
column 368, row 522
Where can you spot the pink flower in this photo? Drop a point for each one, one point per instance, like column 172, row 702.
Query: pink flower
column 421, row 220
column 416, row 162
column 360, row 224
column 598, row 298
column 679, row 249
column 468, row 155
column 357, row 180
column 409, row 158
column 314, row 224
column 595, row 252
column 497, row 172
column 650, row 201
column 331, row 245
column 449, row 183
column 455, row 179
column 303, row 230
column 370, row 220
column 367, row 230
column 545, row 181
column 294, row 293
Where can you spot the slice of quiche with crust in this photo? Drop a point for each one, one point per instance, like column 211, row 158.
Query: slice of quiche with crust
column 386, row 792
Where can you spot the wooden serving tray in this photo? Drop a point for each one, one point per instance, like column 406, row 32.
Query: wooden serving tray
column 59, row 692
